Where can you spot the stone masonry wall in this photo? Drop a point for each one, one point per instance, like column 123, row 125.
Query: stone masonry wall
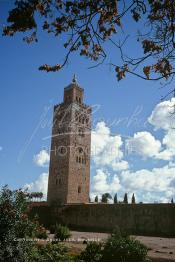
column 138, row 219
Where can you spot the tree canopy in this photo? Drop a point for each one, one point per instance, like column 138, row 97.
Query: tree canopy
column 87, row 25
column 106, row 197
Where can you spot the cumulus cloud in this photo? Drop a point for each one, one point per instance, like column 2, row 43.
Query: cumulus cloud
column 162, row 116
column 39, row 185
column 106, row 148
column 156, row 185
column 103, row 182
column 153, row 185
column 144, row 144
column 42, row 158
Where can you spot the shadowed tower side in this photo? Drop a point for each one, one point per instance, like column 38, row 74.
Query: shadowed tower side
column 69, row 171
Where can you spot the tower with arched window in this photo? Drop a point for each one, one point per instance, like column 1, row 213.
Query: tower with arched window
column 69, row 171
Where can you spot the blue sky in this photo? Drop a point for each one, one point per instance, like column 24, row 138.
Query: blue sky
column 27, row 99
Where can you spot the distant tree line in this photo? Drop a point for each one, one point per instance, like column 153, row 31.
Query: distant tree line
column 107, row 196
column 35, row 196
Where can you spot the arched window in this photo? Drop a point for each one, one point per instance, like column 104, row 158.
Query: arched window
column 62, row 150
column 79, row 100
column 77, row 159
column 80, row 149
column 79, row 189
column 81, row 132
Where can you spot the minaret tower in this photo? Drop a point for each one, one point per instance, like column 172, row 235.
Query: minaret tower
column 69, row 171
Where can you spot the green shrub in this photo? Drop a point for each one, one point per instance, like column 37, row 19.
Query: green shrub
column 49, row 253
column 52, row 229
column 118, row 248
column 41, row 233
column 93, row 252
column 14, row 224
column 62, row 232
column 124, row 249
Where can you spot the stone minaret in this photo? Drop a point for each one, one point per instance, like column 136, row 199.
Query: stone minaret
column 69, row 172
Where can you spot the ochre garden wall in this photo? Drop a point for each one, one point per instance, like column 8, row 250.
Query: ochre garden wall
column 139, row 219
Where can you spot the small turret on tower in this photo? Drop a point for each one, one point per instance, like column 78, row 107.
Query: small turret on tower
column 73, row 92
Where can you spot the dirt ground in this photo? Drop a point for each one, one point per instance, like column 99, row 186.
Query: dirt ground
column 160, row 249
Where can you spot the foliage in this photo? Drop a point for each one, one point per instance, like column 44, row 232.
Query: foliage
column 93, row 252
column 105, row 197
column 87, row 25
column 125, row 200
column 133, row 200
column 117, row 232
column 52, row 229
column 96, row 199
column 119, row 247
column 62, row 232
column 50, row 252
column 36, row 195
column 124, row 249
column 115, row 199
column 41, row 232
column 14, row 224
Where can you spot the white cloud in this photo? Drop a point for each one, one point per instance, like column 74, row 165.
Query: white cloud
column 104, row 183
column 100, row 184
column 39, row 185
column 106, row 149
column 162, row 116
column 144, row 144
column 42, row 158
column 152, row 185
column 156, row 185
column 149, row 186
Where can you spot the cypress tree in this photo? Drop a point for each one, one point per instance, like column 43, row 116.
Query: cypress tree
column 96, row 199
column 115, row 199
column 133, row 201
column 125, row 198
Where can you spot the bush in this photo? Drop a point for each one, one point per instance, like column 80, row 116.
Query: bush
column 124, row 249
column 118, row 248
column 93, row 252
column 49, row 253
column 14, row 224
column 62, row 232
column 52, row 229
column 41, row 233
